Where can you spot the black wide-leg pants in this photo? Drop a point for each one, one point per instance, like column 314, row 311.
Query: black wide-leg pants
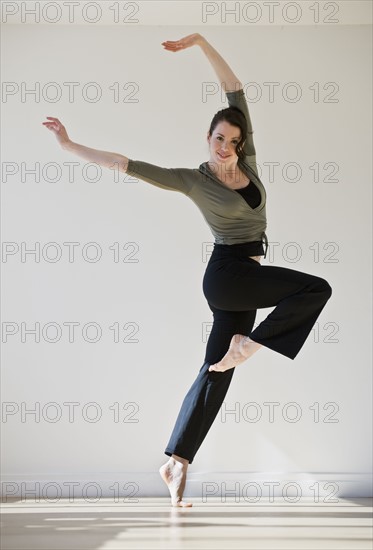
column 235, row 286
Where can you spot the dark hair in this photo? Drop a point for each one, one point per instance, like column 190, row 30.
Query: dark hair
column 234, row 116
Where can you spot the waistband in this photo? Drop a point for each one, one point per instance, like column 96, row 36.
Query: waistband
column 264, row 236
column 249, row 248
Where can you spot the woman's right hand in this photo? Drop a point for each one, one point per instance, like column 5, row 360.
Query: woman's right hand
column 59, row 130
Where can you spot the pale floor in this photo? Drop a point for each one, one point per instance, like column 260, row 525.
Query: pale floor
column 151, row 523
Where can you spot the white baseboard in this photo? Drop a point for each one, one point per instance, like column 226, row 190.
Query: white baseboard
column 249, row 487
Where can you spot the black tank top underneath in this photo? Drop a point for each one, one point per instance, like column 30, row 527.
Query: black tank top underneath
column 251, row 194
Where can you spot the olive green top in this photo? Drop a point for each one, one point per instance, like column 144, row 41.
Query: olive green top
column 229, row 216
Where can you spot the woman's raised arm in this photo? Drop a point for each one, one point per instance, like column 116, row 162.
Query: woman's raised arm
column 229, row 82
column 115, row 161
column 228, row 79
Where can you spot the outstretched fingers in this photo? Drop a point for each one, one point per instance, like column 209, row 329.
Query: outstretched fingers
column 55, row 124
column 172, row 46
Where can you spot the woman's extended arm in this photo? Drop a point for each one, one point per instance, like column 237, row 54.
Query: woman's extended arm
column 228, row 79
column 165, row 178
column 115, row 161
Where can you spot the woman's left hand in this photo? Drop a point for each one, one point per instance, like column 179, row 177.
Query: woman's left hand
column 186, row 42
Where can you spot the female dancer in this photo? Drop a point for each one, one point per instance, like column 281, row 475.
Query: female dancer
column 229, row 193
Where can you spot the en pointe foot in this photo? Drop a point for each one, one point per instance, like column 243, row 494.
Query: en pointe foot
column 241, row 348
column 173, row 474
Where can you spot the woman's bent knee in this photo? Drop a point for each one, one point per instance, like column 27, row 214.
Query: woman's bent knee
column 325, row 288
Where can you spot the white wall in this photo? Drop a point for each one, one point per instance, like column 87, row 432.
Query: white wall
column 157, row 300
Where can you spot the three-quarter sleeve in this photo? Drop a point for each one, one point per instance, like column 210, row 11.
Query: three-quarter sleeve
column 238, row 99
column 165, row 178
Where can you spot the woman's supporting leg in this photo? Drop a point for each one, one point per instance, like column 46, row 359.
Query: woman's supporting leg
column 205, row 397
column 202, row 402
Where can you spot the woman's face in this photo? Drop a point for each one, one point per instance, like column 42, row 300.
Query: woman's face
column 223, row 143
